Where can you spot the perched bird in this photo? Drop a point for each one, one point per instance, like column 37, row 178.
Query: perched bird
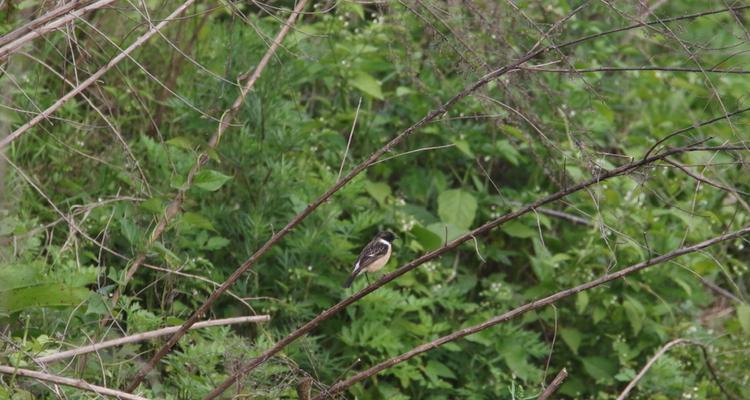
column 374, row 256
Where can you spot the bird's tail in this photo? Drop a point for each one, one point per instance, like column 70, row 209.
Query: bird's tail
column 349, row 281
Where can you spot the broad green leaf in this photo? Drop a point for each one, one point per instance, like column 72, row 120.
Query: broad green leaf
column 194, row 220
column 600, row 368
column 635, row 312
column 42, row 295
column 210, row 180
column 366, row 83
column 572, row 337
column 582, row 301
column 216, row 242
column 507, row 151
column 519, row 230
column 464, row 147
column 457, row 207
column 428, row 239
column 378, row 190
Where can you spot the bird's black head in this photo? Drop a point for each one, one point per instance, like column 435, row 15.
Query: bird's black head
column 388, row 236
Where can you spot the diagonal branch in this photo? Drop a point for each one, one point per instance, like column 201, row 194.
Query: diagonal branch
column 138, row 337
column 534, row 305
column 76, row 383
column 310, row 325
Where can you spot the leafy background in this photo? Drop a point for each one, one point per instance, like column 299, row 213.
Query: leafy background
column 525, row 135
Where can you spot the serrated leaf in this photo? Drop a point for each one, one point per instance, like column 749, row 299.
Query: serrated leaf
column 210, row 180
column 367, row 84
column 582, row 301
column 457, row 207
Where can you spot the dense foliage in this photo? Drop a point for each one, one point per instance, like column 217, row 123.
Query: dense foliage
column 84, row 190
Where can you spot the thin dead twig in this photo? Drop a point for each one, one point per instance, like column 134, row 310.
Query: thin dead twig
column 139, row 337
column 534, row 305
column 660, row 353
column 76, row 383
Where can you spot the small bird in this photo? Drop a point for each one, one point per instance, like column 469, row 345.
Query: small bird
column 374, row 256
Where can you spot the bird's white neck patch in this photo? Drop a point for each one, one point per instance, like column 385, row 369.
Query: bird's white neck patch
column 385, row 242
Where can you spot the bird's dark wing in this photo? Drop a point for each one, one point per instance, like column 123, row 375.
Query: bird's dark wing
column 373, row 251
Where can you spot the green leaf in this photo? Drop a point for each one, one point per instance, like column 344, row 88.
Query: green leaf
column 181, row 142
column 508, row 152
column 464, row 147
column 42, row 295
column 582, row 301
column 519, row 230
column 367, row 84
column 194, row 220
column 216, row 243
column 378, row 190
column 457, row 207
column 428, row 239
column 743, row 315
column 210, row 180
column 635, row 313
column 600, row 368
column 572, row 337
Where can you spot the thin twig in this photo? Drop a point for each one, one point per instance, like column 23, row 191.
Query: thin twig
column 349, row 141
column 139, row 337
column 554, row 385
column 76, row 383
column 660, row 353
column 534, row 305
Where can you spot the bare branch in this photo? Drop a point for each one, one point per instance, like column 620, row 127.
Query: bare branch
column 534, row 305
column 554, row 385
column 139, row 337
column 76, row 383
